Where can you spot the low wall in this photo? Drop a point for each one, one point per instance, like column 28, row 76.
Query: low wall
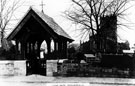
column 85, row 69
column 13, row 68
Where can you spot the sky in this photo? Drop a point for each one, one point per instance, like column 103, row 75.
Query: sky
column 55, row 9
column 128, row 33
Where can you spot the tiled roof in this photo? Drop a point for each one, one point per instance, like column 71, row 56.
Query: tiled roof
column 49, row 21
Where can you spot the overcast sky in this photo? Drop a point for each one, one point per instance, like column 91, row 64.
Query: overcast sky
column 54, row 9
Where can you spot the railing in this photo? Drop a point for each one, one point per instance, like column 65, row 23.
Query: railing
column 84, row 69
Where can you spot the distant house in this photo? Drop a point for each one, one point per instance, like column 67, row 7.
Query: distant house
column 128, row 51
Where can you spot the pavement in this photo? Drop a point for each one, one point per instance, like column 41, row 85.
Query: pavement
column 87, row 80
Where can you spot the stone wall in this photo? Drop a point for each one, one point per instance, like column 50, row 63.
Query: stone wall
column 12, row 68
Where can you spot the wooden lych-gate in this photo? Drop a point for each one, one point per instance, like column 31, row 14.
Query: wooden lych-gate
column 35, row 28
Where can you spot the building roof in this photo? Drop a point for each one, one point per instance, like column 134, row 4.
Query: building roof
column 89, row 55
column 128, row 51
column 46, row 19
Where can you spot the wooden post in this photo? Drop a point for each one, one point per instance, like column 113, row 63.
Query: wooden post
column 60, row 49
column 16, row 42
column 55, row 46
column 38, row 48
column 22, row 49
column 48, row 47
column 65, row 49
column 55, row 49
column 33, row 47
column 29, row 50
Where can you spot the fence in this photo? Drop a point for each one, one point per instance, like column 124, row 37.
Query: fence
column 85, row 69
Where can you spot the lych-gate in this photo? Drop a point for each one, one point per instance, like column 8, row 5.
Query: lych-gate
column 34, row 28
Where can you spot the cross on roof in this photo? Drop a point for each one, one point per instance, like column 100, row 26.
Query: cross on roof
column 42, row 6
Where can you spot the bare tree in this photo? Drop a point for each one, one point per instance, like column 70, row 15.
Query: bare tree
column 7, row 9
column 88, row 13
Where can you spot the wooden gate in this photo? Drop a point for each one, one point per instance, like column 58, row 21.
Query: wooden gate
column 36, row 67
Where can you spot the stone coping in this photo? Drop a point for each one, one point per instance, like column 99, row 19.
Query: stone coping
column 7, row 61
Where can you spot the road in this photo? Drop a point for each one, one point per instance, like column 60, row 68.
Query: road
column 59, row 84
column 36, row 80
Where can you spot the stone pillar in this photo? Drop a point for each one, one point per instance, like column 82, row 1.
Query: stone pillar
column 51, row 67
column 13, row 68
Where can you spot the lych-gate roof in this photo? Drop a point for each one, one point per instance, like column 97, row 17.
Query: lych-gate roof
column 46, row 19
